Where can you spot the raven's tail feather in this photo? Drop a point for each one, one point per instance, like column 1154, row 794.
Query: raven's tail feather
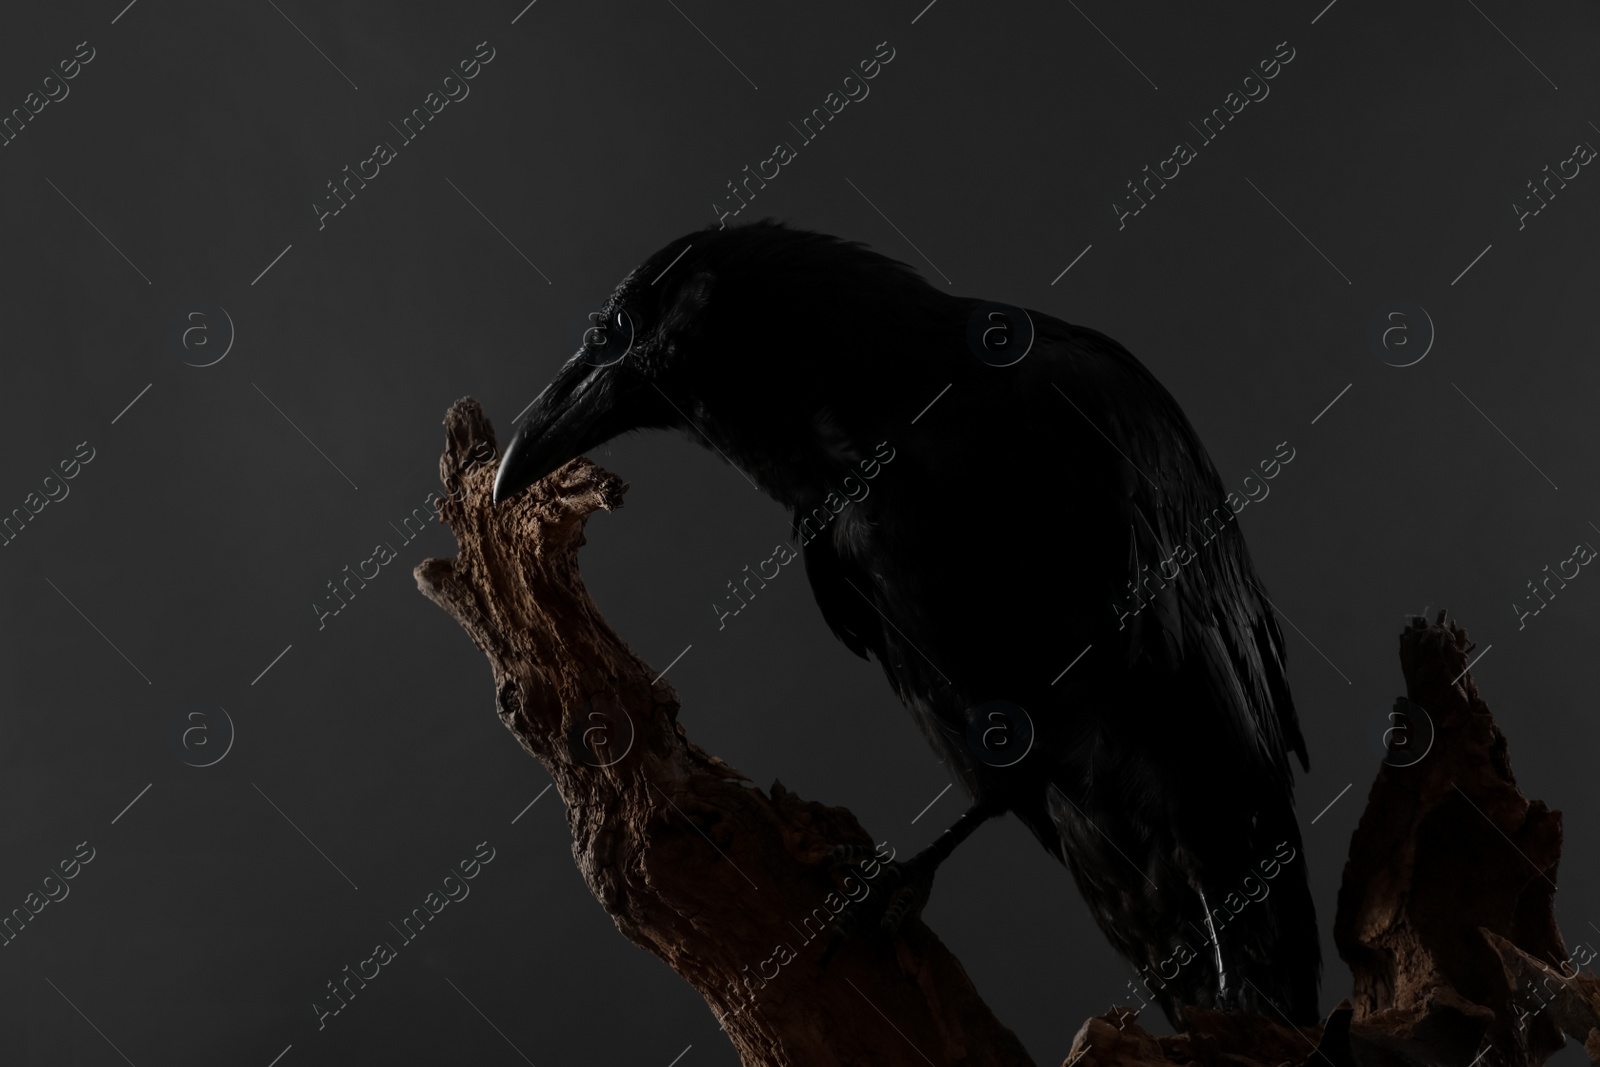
column 1251, row 906
column 1270, row 944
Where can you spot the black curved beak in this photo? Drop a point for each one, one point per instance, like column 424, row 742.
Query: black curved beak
column 585, row 406
column 572, row 415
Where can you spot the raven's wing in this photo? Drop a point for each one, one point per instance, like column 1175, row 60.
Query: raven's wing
column 1199, row 683
column 1212, row 622
column 1131, row 482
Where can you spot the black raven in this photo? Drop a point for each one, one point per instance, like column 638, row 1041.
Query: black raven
column 1032, row 515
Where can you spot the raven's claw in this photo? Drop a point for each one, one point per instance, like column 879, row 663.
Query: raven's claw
column 909, row 885
column 901, row 892
column 843, row 855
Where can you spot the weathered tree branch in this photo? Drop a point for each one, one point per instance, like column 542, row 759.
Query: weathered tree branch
column 1451, row 880
column 1445, row 912
column 692, row 862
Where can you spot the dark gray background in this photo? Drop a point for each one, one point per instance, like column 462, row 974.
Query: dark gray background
column 996, row 140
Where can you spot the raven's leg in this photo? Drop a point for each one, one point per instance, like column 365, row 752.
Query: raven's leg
column 916, row 874
column 908, row 883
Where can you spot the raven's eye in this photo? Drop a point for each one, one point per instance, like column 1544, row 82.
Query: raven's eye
column 610, row 338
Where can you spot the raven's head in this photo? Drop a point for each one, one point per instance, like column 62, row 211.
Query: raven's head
column 754, row 339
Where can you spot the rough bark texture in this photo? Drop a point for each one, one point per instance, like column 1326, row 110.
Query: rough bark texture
column 692, row 862
column 1445, row 912
column 1451, row 878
